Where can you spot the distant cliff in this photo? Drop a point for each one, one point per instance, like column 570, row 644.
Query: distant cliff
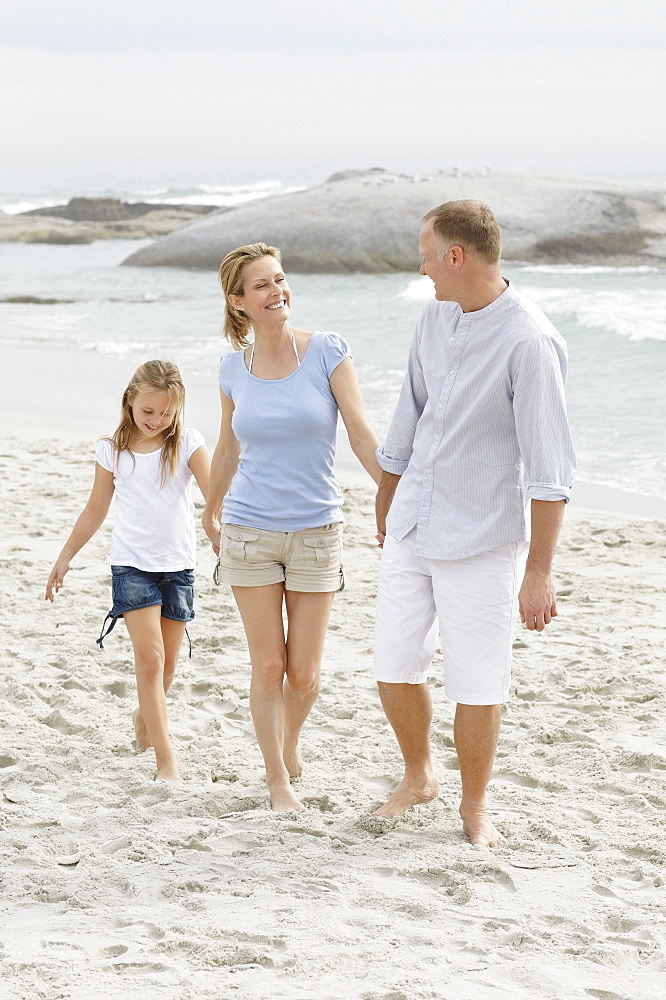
column 83, row 220
column 368, row 221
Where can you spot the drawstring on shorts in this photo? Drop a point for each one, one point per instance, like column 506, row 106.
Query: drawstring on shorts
column 104, row 634
column 111, row 627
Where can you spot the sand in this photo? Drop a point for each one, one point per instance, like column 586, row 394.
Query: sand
column 115, row 886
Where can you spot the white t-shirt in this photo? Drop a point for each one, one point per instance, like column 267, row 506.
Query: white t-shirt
column 154, row 525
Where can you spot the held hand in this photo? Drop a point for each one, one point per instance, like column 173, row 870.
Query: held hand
column 55, row 580
column 383, row 500
column 212, row 527
column 381, row 510
column 536, row 601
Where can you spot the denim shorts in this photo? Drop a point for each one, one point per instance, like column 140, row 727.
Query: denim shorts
column 132, row 589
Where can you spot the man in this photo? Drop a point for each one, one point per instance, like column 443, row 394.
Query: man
column 479, row 434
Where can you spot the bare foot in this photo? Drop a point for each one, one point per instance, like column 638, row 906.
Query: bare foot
column 410, row 792
column 480, row 828
column 283, row 799
column 140, row 731
column 168, row 772
column 293, row 761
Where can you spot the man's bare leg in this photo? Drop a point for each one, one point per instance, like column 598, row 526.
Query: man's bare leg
column 475, row 733
column 408, row 708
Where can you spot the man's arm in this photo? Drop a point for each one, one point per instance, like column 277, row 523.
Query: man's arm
column 537, row 594
column 396, row 452
column 385, row 493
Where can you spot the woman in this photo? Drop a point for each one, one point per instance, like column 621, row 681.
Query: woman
column 274, row 490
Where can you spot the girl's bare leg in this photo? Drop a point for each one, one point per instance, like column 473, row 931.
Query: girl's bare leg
column 172, row 638
column 145, row 630
column 261, row 611
column 307, row 615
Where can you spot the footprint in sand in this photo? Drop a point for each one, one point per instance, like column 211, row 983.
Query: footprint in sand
column 114, row 951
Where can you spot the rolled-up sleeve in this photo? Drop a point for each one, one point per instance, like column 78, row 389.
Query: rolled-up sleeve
column 394, row 455
column 542, row 427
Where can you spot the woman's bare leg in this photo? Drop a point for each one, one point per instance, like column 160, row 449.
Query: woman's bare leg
column 307, row 616
column 172, row 638
column 144, row 627
column 261, row 611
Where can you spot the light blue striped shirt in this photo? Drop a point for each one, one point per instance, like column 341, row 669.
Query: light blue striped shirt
column 480, row 427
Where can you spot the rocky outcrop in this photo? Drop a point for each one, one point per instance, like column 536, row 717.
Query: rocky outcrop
column 368, row 221
column 84, row 220
column 112, row 210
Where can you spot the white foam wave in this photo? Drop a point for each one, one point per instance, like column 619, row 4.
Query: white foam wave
column 221, row 195
column 16, row 207
column 575, row 269
column 418, row 290
column 637, row 314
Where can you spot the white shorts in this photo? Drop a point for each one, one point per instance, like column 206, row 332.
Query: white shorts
column 471, row 602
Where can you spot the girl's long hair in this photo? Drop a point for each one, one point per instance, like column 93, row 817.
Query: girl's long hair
column 154, row 376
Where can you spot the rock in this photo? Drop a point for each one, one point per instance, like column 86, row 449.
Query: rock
column 368, row 221
column 35, row 227
column 112, row 210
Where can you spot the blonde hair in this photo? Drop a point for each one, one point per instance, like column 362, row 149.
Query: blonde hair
column 236, row 324
column 154, row 376
column 470, row 224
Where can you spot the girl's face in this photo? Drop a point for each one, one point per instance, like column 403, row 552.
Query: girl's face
column 266, row 295
column 153, row 412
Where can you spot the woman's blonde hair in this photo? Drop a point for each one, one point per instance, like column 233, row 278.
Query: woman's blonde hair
column 154, row 376
column 236, row 324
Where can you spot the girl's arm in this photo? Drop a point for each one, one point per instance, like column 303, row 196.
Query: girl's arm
column 362, row 438
column 222, row 470
column 199, row 464
column 90, row 519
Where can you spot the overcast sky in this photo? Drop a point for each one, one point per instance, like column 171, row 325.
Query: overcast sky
column 358, row 83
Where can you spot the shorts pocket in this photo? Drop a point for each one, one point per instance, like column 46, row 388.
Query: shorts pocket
column 236, row 540
column 119, row 571
column 322, row 549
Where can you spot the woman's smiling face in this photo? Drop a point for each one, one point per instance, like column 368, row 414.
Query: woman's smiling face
column 266, row 295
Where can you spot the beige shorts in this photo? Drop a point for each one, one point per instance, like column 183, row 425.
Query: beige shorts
column 309, row 560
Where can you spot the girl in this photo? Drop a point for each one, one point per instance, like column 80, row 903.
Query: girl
column 149, row 463
column 273, row 488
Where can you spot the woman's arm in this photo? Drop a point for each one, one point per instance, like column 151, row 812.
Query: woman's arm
column 222, row 470
column 89, row 521
column 362, row 438
column 199, row 464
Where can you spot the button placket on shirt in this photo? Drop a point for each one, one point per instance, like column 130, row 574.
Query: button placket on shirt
column 439, row 414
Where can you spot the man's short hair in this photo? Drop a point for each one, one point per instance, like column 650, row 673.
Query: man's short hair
column 469, row 224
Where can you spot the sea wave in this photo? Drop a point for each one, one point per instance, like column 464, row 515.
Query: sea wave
column 636, row 314
column 16, row 207
column 220, row 195
column 418, row 290
column 580, row 269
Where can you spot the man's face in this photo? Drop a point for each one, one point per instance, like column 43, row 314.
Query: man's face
column 435, row 263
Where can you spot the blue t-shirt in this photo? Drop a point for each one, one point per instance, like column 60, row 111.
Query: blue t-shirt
column 287, row 429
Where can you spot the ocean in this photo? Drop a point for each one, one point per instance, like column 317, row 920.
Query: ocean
column 78, row 297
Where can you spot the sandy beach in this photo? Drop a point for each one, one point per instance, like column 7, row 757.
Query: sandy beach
column 116, row 886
